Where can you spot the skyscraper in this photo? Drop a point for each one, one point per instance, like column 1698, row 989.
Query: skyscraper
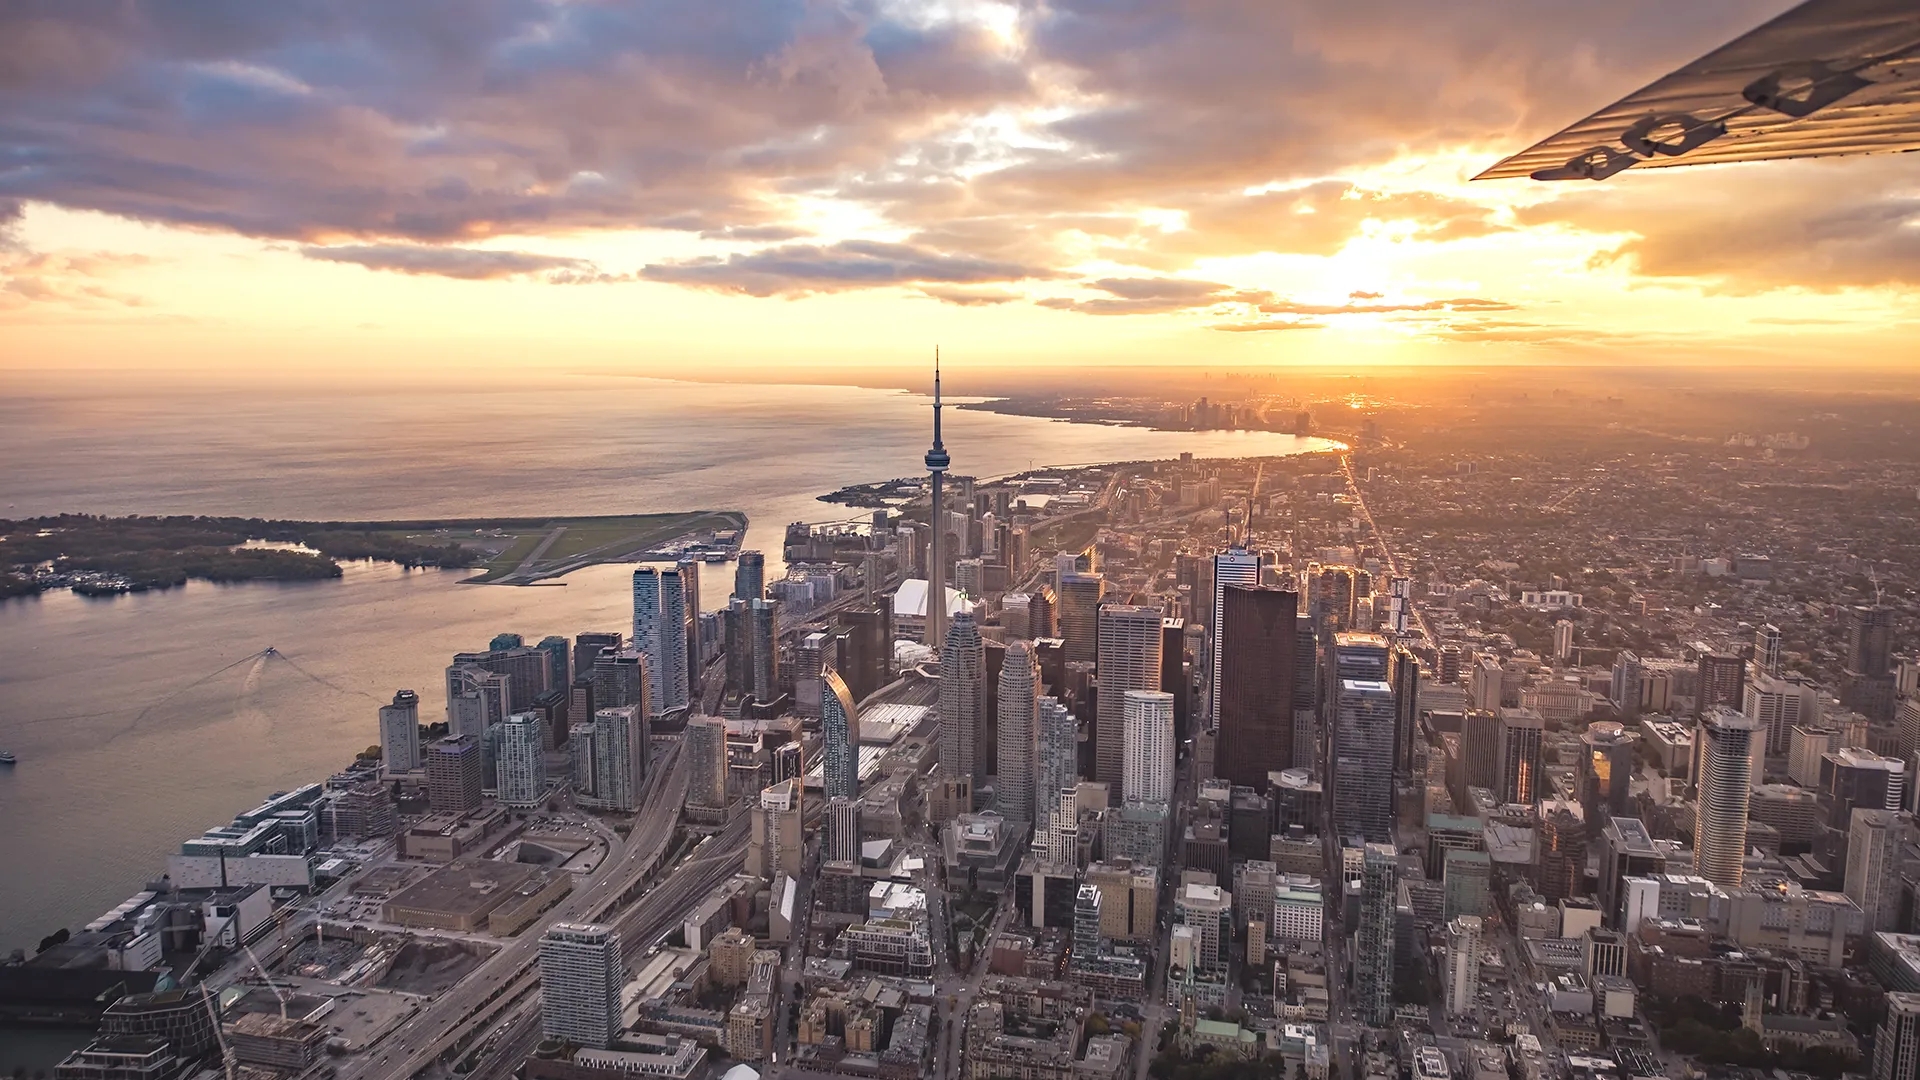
column 750, row 576
column 843, row 830
column 1129, row 659
column 1778, row 704
column 615, row 760
column 1463, row 964
column 1364, row 718
column 559, row 653
column 523, row 761
column 400, row 733
column 690, row 585
column 1148, row 745
column 1766, row 650
column 1869, row 633
column 453, row 774
column 763, row 635
column 581, row 975
column 1561, row 846
column 706, row 750
column 1055, row 770
column 1234, row 567
column 1896, row 1048
column 1373, row 953
column 1018, row 753
column 962, row 702
column 1520, row 733
column 1255, row 665
column 778, row 843
column 1606, row 769
column 1409, row 751
column 1563, row 639
column 1726, row 787
column 937, row 555
column 660, row 631
column 1080, row 596
column 840, row 739
column 1873, row 866
column 1720, row 680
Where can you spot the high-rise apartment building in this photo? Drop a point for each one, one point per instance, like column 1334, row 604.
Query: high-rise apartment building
column 1726, row 787
column 705, row 742
column 1463, row 964
column 1720, row 680
column 1147, row 716
column 1563, row 639
column 1233, row 568
column 1896, row 1047
column 750, row 576
column 660, row 631
column 690, row 585
column 1255, row 666
column 1766, row 650
column 587, row 649
column 1080, row 597
column 1409, row 750
column 559, row 654
column 524, row 668
column 1055, row 769
column 1373, row 951
column 1017, row 757
column 453, row 774
column 1363, row 731
column 843, row 830
column 1521, row 731
column 400, row 733
column 840, row 739
column 1129, row 659
column 581, row 975
column 963, row 702
column 778, row 842
column 1873, row 866
column 610, row 758
column 1778, row 704
column 477, row 698
column 763, row 620
column 523, row 761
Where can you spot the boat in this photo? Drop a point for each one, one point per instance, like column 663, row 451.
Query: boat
column 7, row 758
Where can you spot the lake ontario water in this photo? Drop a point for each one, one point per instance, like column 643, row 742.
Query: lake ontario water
column 144, row 719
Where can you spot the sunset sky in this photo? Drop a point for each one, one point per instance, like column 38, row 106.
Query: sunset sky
column 588, row 185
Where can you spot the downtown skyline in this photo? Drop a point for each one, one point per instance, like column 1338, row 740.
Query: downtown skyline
column 602, row 188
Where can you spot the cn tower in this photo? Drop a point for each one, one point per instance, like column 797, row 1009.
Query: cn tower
column 937, row 462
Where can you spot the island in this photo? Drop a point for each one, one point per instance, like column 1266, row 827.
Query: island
column 104, row 556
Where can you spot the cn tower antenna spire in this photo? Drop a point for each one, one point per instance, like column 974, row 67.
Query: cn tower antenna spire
column 937, row 555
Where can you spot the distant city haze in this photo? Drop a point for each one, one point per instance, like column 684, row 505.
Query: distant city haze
column 125, row 751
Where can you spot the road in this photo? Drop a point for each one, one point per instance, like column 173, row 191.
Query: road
column 510, row 973
column 1386, row 550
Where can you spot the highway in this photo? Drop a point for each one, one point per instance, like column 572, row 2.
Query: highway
column 450, row 1018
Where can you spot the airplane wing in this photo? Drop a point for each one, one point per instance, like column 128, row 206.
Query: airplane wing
column 1829, row 77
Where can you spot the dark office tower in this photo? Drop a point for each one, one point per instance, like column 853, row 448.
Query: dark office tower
column 581, row 705
column 619, row 678
column 1080, row 596
column 1606, row 768
column 587, row 649
column 503, row 642
column 1449, row 664
column 1521, row 731
column 840, row 739
column 1362, row 754
column 1306, row 652
column 1333, row 598
column 1258, row 632
column 994, row 655
column 962, row 701
column 1407, row 758
column 1869, row 632
column 1017, row 694
column 1233, row 567
column 1626, row 850
column 737, row 628
column 690, row 587
column 1129, row 659
column 1173, row 673
column 553, row 708
column 1855, row 779
column 869, row 641
column 1480, row 750
column 559, row 652
column 763, row 634
column 1562, row 850
column 1043, row 611
column 453, row 774
column 750, row 576
column 1373, row 953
